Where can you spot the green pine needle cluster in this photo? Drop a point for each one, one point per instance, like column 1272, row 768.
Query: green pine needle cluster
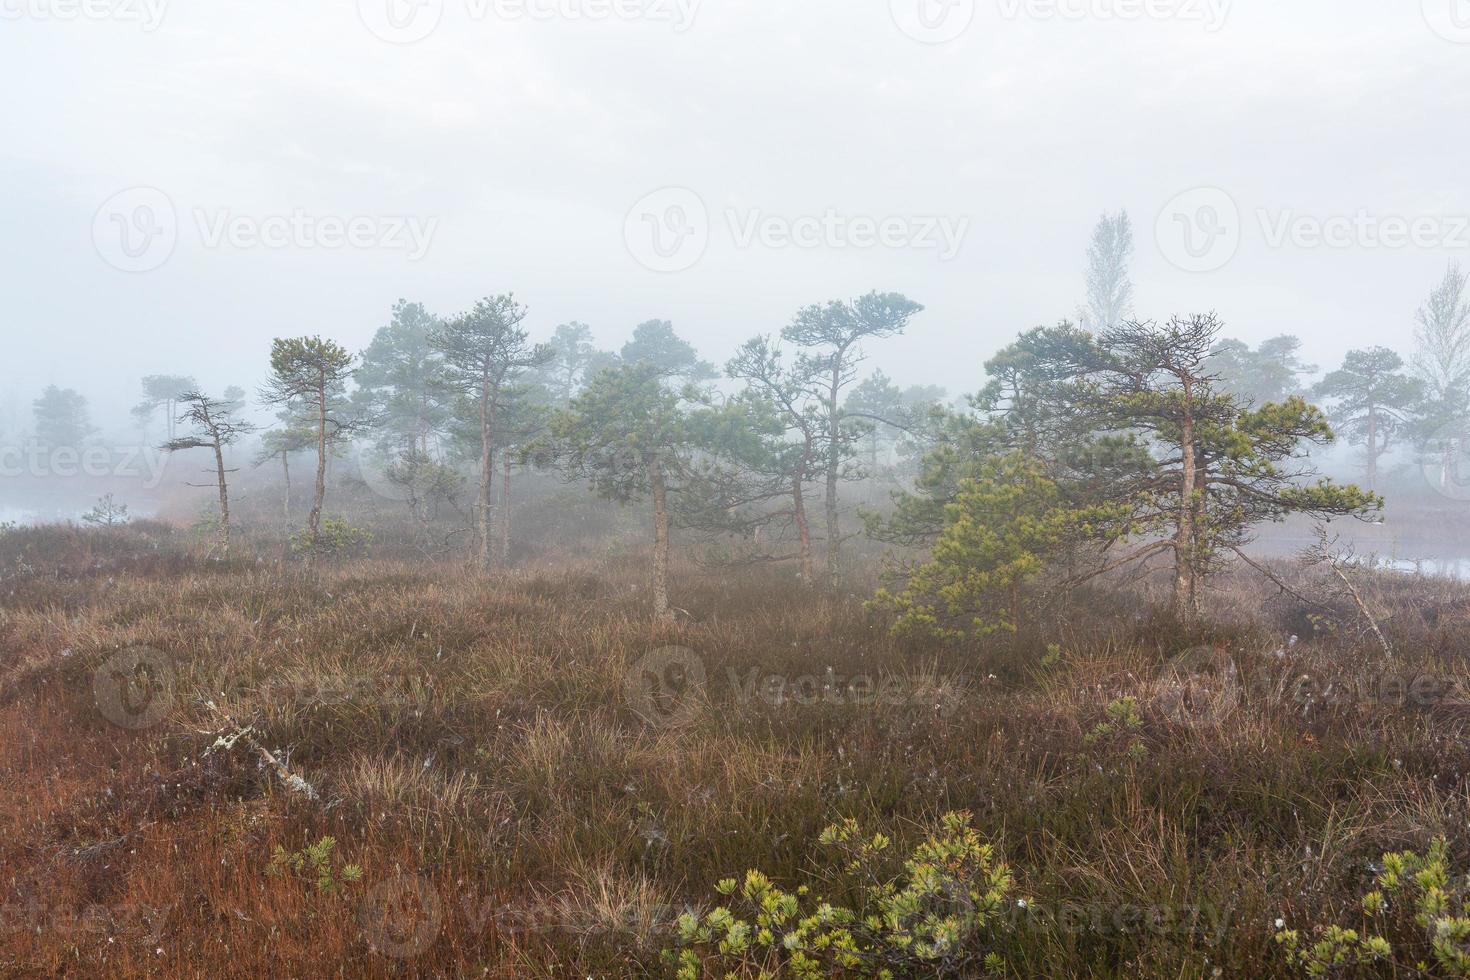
column 937, row 913
column 1416, row 917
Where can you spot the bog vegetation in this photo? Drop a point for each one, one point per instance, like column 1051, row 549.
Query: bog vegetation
column 577, row 662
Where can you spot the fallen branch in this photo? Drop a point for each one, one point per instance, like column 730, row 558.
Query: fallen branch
column 233, row 733
column 1326, row 553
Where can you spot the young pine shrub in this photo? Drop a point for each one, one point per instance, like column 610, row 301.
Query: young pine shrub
column 938, row 914
column 336, row 538
column 1007, row 524
column 1416, row 917
column 314, row 863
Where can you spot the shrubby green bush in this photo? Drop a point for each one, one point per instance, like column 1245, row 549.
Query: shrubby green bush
column 936, row 913
column 1416, row 917
column 336, row 538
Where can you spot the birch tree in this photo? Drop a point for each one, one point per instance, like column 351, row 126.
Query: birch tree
column 1109, row 290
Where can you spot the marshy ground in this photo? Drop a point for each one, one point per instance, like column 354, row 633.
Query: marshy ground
column 524, row 776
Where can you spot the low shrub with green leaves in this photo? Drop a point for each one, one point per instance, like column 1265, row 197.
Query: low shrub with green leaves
column 1416, row 917
column 936, row 913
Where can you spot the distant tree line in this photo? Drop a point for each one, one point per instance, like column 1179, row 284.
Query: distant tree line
column 1089, row 448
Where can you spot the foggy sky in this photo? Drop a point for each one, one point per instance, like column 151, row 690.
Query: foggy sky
column 525, row 141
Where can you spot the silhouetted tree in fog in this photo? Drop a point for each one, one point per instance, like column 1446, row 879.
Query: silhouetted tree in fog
column 1442, row 338
column 163, row 391
column 1109, row 290
column 280, row 443
column 399, row 381
column 61, row 418
column 309, row 375
column 1441, row 361
column 1272, row 372
column 1372, row 402
column 485, row 353
column 831, row 337
column 635, row 437
column 789, row 390
column 215, row 427
column 655, row 345
column 573, row 358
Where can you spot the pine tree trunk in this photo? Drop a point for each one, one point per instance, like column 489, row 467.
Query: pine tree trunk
column 1184, row 533
column 1197, row 525
column 834, row 464
column 314, row 520
column 224, row 498
column 505, row 512
column 872, row 467
column 803, row 528
column 660, row 540
column 1372, row 447
column 487, row 474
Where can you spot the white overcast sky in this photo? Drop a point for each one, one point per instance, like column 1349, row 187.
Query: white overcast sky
column 528, row 141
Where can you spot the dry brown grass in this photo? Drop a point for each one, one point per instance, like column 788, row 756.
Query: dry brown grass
column 474, row 749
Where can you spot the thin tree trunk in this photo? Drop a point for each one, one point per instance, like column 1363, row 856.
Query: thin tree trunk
column 224, row 498
column 834, row 463
column 314, row 521
column 803, row 529
column 286, row 468
column 1372, row 446
column 505, row 511
column 872, row 466
column 487, row 473
column 660, row 540
column 1184, row 533
column 1197, row 525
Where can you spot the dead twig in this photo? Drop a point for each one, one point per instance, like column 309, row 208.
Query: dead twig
column 1327, row 552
